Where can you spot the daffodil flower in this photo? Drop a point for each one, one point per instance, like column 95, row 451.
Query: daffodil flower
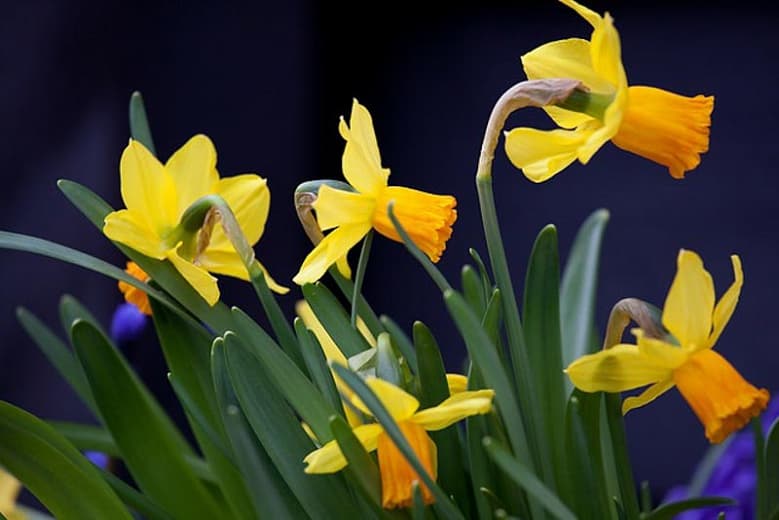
column 723, row 401
column 426, row 217
column 9, row 490
column 156, row 196
column 663, row 127
column 397, row 476
column 132, row 294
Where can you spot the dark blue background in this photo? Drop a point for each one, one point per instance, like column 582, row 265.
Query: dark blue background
column 268, row 82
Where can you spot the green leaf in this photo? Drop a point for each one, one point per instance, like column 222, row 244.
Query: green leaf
column 281, row 435
column 334, row 319
column 402, row 343
column 135, row 500
column 315, row 360
column 473, row 290
column 387, row 366
column 527, row 480
column 361, row 468
column 72, row 310
column 491, row 321
column 53, row 470
column 542, row 339
column 669, row 511
column 270, row 496
column 772, row 467
column 139, row 124
column 364, row 310
column 578, row 288
column 151, row 447
column 485, row 276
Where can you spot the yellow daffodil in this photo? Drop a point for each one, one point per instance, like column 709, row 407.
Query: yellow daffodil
column 719, row 396
column 397, row 476
column 663, row 127
column 157, row 195
column 133, row 295
column 426, row 217
column 9, row 490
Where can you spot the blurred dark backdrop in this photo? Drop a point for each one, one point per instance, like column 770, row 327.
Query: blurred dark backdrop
column 267, row 82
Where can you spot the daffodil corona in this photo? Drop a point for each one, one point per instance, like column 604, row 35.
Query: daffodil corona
column 156, row 196
column 719, row 396
column 132, row 294
column 397, row 476
column 426, row 217
column 666, row 128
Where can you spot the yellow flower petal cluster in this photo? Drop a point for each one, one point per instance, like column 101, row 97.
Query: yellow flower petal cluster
column 397, row 476
column 426, row 217
column 663, row 127
column 156, row 195
column 723, row 401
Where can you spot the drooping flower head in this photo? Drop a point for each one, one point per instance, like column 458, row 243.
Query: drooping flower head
column 397, row 476
column 426, row 217
column 663, row 127
column 720, row 397
column 156, row 196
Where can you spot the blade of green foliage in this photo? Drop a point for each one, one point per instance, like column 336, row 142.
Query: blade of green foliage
column 270, row 495
column 578, row 288
column 315, row 360
column 772, row 466
column 491, row 322
column 616, row 427
column 139, row 124
column 486, row 282
column 526, row 479
column 135, row 500
column 401, row 341
column 195, row 415
column 280, row 433
column 387, row 366
column 334, row 319
column 473, row 290
column 151, row 447
column 669, row 511
column 71, row 310
column 542, row 339
column 297, row 389
column 364, row 310
column 443, row 504
column 434, row 390
column 55, row 472
column 362, row 467
column 59, row 355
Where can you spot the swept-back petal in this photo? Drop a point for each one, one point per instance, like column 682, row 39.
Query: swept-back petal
column 126, row 227
column 400, row 404
column 198, row 278
column 456, row 408
column 690, row 302
column 337, row 207
column 570, row 58
column 606, row 52
column 588, row 14
column 147, row 189
column 329, row 458
column 249, row 199
column 727, row 304
column 332, row 248
column 540, row 154
column 223, row 262
column 457, row 383
column 647, row 396
column 620, row 368
column 361, row 160
column 193, row 170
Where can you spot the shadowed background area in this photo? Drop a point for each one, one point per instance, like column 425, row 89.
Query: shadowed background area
column 268, row 82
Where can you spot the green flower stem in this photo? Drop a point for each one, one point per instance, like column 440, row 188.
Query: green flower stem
column 761, row 499
column 360, row 274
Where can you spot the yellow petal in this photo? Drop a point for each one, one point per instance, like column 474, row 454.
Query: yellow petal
column 606, row 53
column 456, row 408
column 125, row 227
column 193, row 170
column 9, row 490
column 690, row 302
column 569, row 58
column 312, row 323
column 197, row 277
column 727, row 304
column 249, row 199
column 329, row 458
column 647, row 396
column 223, row 262
column 361, row 161
column 400, row 404
column 343, row 267
column 540, row 154
column 273, row 285
column 337, row 207
column 457, row 383
column 333, row 247
column 588, row 14
column 147, row 189
column 620, row 368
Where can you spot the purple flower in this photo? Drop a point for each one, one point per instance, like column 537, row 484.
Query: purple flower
column 97, row 458
column 127, row 324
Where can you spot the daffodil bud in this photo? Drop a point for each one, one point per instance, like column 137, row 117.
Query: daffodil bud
column 305, row 196
column 645, row 315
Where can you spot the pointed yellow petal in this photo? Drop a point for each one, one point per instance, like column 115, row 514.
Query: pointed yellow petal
column 343, row 267
column 647, row 396
column 198, row 278
column 540, row 154
column 337, row 207
column 329, row 458
column 193, row 170
column 273, row 285
column 361, row 161
column 147, row 189
column 588, row 14
column 569, row 58
column 400, row 404
column 333, row 247
column 690, row 302
column 606, row 53
column 727, row 304
column 330, row 349
column 457, row 383
column 249, row 199
column 456, row 408
column 620, row 368
column 125, row 227
column 223, row 262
